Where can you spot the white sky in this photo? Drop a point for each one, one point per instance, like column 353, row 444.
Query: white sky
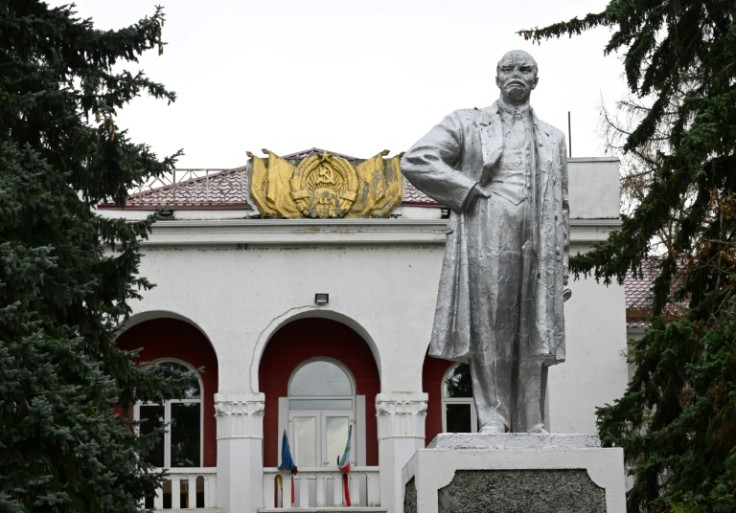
column 350, row 76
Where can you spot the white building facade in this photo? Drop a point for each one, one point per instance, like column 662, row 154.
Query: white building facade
column 308, row 326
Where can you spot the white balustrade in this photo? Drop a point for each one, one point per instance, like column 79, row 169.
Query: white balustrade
column 186, row 488
column 318, row 487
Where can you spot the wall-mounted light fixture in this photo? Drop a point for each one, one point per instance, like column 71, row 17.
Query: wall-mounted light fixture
column 321, row 298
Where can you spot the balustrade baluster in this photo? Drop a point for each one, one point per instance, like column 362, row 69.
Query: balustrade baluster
column 175, row 492
column 372, row 495
column 286, row 497
column 354, row 483
column 321, row 483
column 192, row 491
column 158, row 499
column 303, row 491
column 337, row 489
column 270, row 490
column 210, row 491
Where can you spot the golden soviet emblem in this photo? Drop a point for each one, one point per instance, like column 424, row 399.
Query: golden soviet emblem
column 324, row 185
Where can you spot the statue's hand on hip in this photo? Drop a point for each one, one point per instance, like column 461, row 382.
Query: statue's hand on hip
column 475, row 193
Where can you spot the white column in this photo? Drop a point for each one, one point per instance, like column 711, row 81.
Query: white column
column 239, row 452
column 400, row 434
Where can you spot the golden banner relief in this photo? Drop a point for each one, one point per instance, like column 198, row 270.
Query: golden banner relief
column 325, row 185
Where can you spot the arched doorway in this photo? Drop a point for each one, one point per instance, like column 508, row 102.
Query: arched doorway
column 321, row 406
column 344, row 361
column 174, row 340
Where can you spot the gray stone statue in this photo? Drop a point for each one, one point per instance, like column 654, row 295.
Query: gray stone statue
column 503, row 174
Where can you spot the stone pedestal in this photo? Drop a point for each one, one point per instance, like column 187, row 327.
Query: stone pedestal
column 515, row 473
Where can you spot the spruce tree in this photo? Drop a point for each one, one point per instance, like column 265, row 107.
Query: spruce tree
column 677, row 418
column 67, row 274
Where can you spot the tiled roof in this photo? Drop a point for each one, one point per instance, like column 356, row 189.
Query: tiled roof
column 199, row 188
column 413, row 196
column 226, row 189
column 639, row 295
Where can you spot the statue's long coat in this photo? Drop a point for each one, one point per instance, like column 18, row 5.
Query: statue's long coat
column 463, row 150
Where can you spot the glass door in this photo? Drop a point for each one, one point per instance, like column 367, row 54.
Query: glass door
column 319, row 436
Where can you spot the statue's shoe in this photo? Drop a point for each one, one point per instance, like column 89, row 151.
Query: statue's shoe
column 494, row 428
column 539, row 430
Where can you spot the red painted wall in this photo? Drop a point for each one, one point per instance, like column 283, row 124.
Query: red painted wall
column 312, row 338
column 172, row 338
column 432, row 373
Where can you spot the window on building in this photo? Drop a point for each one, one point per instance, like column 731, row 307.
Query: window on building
column 457, row 401
column 181, row 443
column 319, row 409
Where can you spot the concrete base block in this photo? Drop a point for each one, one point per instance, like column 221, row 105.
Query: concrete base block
column 515, row 473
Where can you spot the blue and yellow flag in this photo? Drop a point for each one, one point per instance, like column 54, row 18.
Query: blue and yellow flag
column 287, row 462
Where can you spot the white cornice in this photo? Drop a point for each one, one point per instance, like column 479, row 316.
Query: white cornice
column 299, row 232
column 590, row 231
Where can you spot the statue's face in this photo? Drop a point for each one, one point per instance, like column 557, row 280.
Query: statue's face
column 516, row 77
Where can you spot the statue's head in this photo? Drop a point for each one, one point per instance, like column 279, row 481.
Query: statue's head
column 516, row 77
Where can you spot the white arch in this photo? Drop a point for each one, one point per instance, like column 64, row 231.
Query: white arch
column 305, row 312
column 151, row 315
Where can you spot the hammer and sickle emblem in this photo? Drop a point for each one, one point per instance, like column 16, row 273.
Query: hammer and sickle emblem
column 326, row 175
